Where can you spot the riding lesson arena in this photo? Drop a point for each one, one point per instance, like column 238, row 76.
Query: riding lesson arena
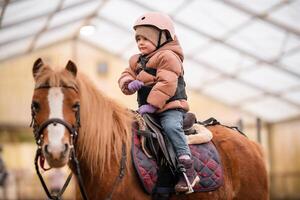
column 91, row 89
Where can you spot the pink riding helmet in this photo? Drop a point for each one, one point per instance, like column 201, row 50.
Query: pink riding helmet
column 159, row 20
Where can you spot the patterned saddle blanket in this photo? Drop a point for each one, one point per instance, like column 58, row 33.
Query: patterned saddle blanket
column 206, row 161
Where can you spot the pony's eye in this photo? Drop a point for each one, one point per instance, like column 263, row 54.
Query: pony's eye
column 35, row 106
column 76, row 107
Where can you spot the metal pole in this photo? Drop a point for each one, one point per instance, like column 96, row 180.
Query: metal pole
column 258, row 129
column 240, row 125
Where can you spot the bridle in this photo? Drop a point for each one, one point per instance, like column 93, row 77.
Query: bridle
column 38, row 135
column 73, row 130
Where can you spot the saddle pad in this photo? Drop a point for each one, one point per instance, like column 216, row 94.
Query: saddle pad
column 206, row 161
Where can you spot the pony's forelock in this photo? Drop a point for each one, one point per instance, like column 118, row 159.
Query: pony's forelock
column 54, row 77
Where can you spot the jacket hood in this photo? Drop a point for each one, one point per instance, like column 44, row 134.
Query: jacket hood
column 173, row 46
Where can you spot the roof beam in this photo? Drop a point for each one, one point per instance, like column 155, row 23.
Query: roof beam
column 97, row 47
column 247, row 22
column 33, row 34
column 49, row 45
column 244, row 52
column 47, row 14
column 119, row 26
column 264, row 16
column 53, row 28
column 12, row 1
column 88, row 19
column 265, row 92
column 3, row 8
column 273, row 64
column 45, row 28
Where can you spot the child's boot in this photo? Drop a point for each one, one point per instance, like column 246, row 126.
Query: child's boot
column 189, row 177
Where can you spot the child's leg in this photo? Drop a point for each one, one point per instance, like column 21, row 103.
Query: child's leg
column 172, row 123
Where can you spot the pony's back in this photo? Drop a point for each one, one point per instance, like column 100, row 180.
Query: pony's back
column 243, row 164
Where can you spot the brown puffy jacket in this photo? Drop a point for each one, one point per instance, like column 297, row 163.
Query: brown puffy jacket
column 167, row 60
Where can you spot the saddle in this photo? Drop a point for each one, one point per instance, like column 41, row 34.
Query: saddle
column 155, row 161
column 153, row 139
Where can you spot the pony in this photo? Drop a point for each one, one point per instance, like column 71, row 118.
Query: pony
column 104, row 140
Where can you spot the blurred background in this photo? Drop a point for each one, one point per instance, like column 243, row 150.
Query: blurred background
column 242, row 66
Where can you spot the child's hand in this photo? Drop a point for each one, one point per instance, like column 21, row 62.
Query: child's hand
column 135, row 85
column 147, row 108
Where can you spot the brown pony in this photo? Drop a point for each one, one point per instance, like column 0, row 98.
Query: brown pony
column 106, row 125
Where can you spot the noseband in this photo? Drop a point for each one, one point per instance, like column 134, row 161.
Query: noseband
column 38, row 135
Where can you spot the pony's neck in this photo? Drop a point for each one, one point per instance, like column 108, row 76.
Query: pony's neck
column 105, row 126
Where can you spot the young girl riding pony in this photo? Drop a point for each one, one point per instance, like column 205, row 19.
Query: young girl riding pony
column 156, row 73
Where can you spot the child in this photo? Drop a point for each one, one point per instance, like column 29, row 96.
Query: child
column 157, row 74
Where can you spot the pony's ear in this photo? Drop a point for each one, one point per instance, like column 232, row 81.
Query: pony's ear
column 36, row 66
column 71, row 67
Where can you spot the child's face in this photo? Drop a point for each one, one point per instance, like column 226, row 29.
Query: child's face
column 144, row 45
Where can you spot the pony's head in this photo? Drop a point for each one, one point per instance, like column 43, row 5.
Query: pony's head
column 55, row 111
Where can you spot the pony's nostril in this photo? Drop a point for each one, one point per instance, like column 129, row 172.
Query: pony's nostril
column 46, row 149
column 66, row 148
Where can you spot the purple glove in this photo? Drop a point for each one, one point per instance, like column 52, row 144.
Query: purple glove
column 135, row 85
column 147, row 108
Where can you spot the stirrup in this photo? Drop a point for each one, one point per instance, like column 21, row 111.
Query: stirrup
column 190, row 188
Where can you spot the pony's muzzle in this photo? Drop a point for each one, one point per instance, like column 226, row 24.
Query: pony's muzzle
column 57, row 152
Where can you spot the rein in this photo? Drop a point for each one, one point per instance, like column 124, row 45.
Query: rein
column 58, row 197
column 121, row 172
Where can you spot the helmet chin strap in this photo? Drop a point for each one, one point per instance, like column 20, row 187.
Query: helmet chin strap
column 159, row 39
column 169, row 39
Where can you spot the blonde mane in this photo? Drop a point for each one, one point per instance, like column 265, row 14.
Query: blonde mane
column 105, row 124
